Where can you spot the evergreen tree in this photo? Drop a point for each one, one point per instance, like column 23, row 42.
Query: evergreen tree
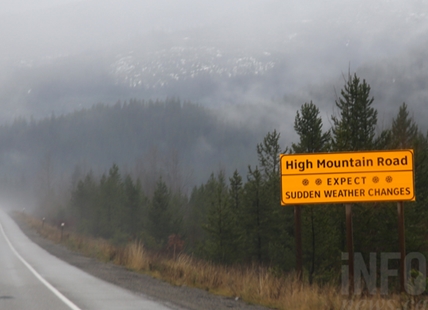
column 278, row 233
column 236, row 192
column 112, row 204
column 404, row 130
column 316, row 222
column 195, row 219
column 83, row 203
column 405, row 135
column 178, row 201
column 276, row 221
column 255, row 220
column 383, row 141
column 420, row 212
column 135, row 201
column 268, row 154
column 219, row 223
column 420, row 145
column 159, row 215
column 354, row 128
column 308, row 125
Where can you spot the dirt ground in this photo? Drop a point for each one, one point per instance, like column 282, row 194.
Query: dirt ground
column 177, row 297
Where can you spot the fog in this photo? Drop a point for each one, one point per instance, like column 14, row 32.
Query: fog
column 97, row 94
column 255, row 60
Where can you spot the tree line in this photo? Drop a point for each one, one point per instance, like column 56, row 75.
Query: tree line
column 238, row 219
column 182, row 140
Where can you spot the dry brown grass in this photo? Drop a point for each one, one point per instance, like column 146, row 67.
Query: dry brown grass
column 134, row 257
column 254, row 284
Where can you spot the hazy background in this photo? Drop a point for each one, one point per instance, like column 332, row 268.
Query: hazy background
column 62, row 55
column 252, row 62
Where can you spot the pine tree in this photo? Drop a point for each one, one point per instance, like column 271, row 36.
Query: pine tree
column 159, row 215
column 219, row 223
column 135, row 200
column 420, row 145
column 112, row 201
column 195, row 219
column 268, row 153
column 354, row 128
column 406, row 135
column 236, row 205
column 404, row 129
column 83, row 203
column 421, row 180
column 308, row 125
column 275, row 234
column 235, row 191
column 255, row 217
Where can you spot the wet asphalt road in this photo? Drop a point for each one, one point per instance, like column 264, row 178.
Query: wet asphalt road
column 33, row 279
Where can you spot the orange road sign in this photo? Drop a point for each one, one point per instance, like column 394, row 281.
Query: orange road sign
column 347, row 177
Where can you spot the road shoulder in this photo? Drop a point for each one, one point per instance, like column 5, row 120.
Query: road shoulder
column 180, row 297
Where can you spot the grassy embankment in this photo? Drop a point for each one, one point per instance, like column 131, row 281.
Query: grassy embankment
column 252, row 284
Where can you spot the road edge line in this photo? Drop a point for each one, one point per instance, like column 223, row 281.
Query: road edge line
column 37, row 275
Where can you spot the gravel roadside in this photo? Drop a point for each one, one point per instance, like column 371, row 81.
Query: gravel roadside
column 178, row 297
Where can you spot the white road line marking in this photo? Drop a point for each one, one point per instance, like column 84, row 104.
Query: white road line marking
column 38, row 276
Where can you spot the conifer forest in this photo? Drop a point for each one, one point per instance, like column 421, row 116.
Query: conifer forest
column 156, row 169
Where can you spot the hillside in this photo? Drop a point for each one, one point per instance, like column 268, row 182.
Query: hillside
column 184, row 142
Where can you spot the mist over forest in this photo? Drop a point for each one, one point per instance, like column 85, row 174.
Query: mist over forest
column 131, row 120
column 72, row 73
column 245, row 66
column 60, row 56
column 149, row 138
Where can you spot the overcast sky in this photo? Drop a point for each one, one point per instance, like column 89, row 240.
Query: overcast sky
column 320, row 39
column 270, row 17
column 29, row 24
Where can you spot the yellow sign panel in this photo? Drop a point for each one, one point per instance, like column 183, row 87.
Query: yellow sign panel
column 347, row 177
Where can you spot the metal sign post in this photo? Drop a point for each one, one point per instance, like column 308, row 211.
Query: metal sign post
column 402, row 241
column 298, row 233
column 350, row 246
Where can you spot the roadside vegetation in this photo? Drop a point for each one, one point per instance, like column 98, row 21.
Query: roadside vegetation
column 253, row 284
column 230, row 235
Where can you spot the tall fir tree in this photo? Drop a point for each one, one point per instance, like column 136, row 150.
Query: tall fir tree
column 159, row 215
column 268, row 154
column 354, row 127
column 112, row 203
column 308, row 125
column 405, row 135
column 275, row 234
column 84, row 204
column 236, row 192
column 219, row 221
column 255, row 218
column 404, row 129
column 195, row 218
column 316, row 219
column 134, row 204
